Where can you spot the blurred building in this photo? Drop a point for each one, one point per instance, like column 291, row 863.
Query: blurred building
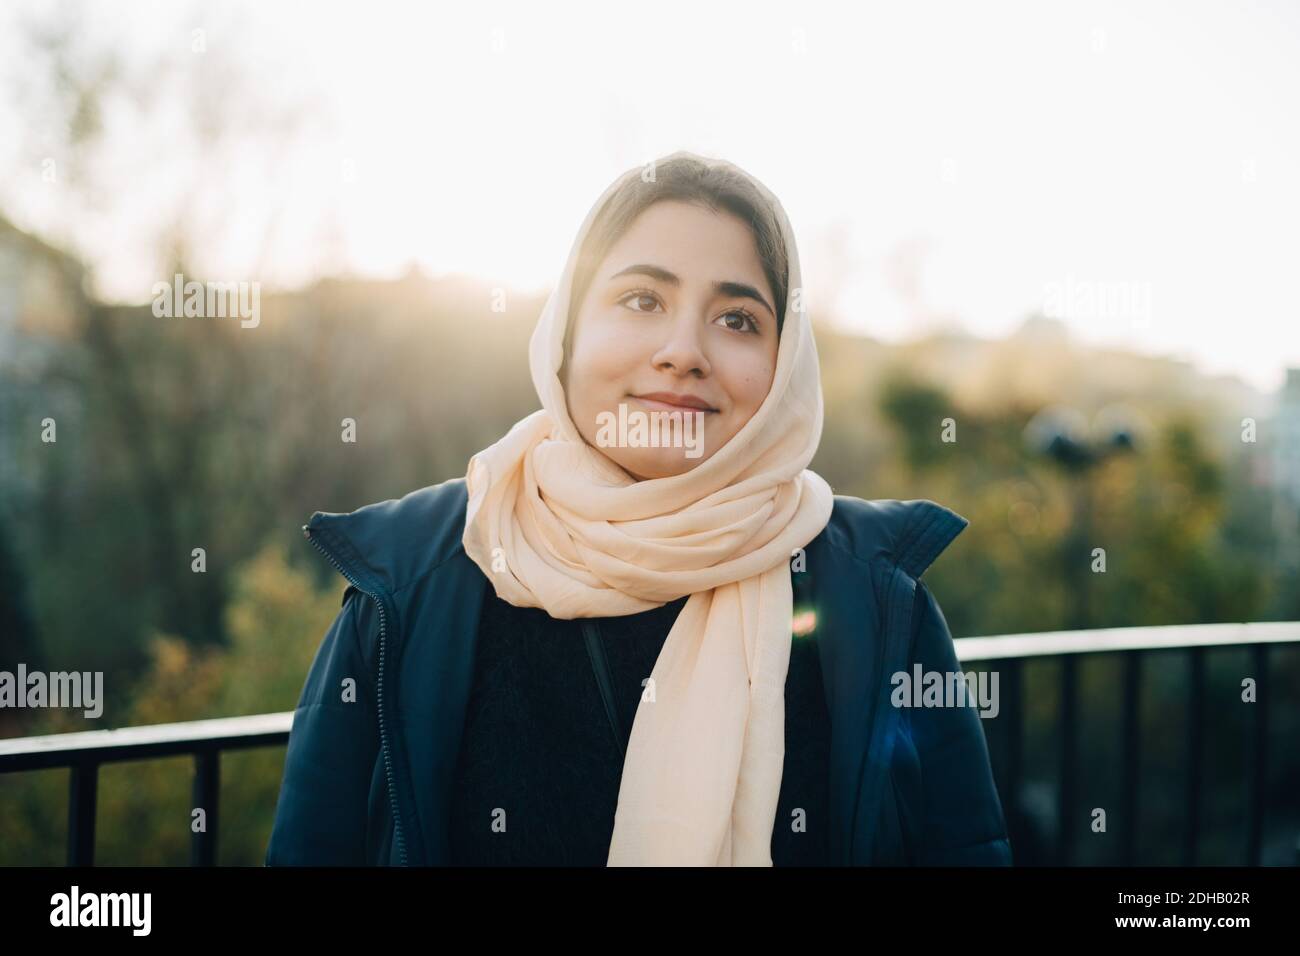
column 1286, row 433
column 41, row 308
column 1285, row 458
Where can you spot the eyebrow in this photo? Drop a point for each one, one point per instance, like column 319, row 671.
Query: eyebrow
column 732, row 290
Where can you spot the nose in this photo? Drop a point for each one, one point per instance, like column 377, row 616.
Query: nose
column 683, row 351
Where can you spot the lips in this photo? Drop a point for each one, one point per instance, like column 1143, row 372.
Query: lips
column 674, row 402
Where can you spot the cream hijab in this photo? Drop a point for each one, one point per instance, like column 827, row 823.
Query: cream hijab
column 555, row 524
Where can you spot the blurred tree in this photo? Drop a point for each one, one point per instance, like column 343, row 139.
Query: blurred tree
column 18, row 639
column 277, row 621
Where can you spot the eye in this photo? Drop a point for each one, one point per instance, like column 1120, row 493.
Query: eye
column 639, row 294
column 746, row 316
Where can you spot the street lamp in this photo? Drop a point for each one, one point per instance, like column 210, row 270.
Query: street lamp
column 1064, row 436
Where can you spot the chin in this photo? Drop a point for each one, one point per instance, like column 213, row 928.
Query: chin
column 654, row 466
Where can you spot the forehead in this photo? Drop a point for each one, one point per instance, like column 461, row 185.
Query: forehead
column 695, row 242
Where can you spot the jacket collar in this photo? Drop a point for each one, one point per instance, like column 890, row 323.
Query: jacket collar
column 392, row 543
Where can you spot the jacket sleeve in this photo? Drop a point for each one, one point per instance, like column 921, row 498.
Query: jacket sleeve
column 321, row 814
column 961, row 821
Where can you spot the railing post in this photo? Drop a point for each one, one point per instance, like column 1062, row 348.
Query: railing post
column 1259, row 779
column 1132, row 729
column 1013, row 742
column 206, row 794
column 83, row 784
column 1069, row 748
column 1195, row 746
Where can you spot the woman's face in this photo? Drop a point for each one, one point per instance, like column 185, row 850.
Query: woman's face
column 680, row 305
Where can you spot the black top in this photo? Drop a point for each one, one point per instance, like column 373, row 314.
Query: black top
column 538, row 774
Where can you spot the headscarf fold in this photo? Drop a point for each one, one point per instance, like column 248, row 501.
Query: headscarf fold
column 555, row 524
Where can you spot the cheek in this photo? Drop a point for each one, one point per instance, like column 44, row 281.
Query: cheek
column 752, row 383
column 602, row 358
column 588, row 376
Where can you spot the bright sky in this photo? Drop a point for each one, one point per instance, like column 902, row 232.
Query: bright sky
column 1132, row 167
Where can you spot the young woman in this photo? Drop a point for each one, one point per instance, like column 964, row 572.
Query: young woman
column 640, row 631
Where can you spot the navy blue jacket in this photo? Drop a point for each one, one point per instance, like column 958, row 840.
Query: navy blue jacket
column 368, row 782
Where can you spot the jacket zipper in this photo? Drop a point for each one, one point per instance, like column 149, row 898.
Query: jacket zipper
column 918, row 612
column 383, row 733
column 875, row 715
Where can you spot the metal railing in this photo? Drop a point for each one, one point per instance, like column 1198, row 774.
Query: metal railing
column 83, row 753
column 1133, row 642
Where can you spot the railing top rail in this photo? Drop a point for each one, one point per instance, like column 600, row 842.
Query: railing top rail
column 1102, row 640
column 232, row 733
column 138, row 743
